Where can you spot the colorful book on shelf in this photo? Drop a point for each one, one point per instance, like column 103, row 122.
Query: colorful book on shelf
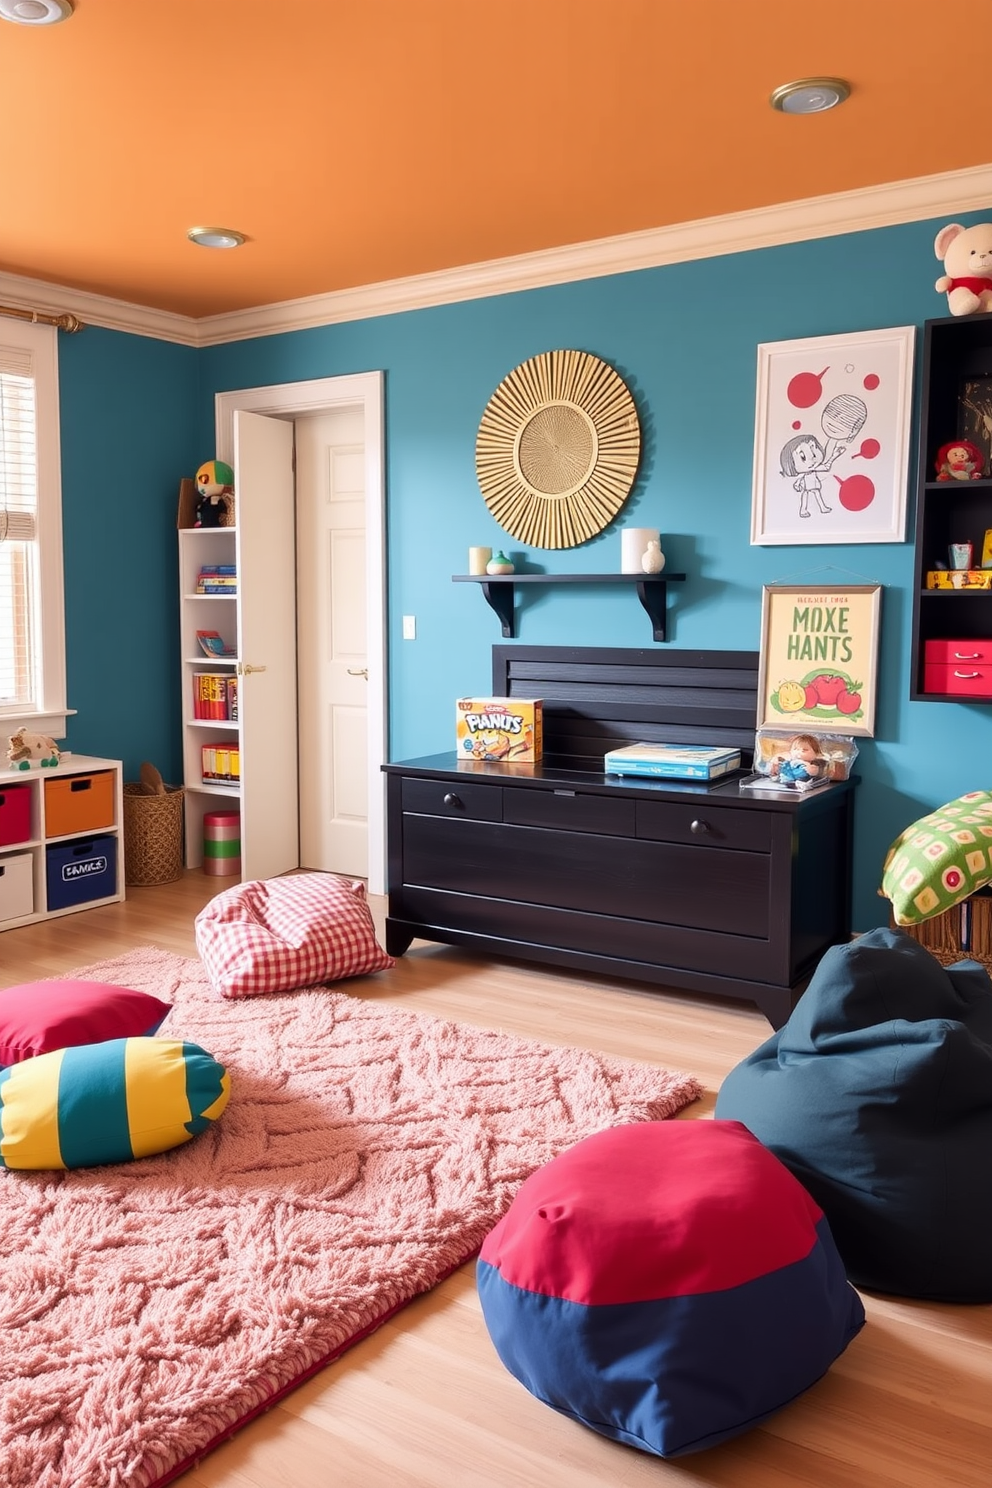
column 221, row 763
column 212, row 643
column 219, row 579
column 210, row 697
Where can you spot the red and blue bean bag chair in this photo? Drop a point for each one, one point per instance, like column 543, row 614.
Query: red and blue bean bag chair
column 877, row 1096
column 668, row 1284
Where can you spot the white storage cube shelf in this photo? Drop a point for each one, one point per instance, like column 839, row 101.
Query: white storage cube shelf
column 24, row 897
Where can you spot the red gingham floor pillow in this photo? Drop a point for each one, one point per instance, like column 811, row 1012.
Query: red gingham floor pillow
column 272, row 935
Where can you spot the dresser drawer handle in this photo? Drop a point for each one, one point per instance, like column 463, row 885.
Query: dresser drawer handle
column 967, row 656
column 967, row 676
column 699, row 827
column 452, row 800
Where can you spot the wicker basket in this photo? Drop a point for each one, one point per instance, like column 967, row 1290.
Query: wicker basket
column 941, row 934
column 153, row 836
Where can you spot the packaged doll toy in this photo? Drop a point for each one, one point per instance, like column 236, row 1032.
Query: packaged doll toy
column 799, row 762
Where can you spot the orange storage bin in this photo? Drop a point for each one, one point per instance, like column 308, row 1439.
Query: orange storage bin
column 79, row 803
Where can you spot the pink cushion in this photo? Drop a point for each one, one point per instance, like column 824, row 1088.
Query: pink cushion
column 275, row 934
column 40, row 1017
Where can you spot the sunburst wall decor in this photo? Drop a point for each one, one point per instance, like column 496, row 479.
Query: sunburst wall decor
column 557, row 449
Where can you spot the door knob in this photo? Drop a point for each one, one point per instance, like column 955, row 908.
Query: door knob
column 247, row 669
column 359, row 672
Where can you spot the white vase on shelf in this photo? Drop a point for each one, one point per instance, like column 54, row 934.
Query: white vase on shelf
column 653, row 559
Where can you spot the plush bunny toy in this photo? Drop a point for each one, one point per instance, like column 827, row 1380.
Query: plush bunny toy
column 967, row 256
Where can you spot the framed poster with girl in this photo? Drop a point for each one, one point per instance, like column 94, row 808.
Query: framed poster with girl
column 831, row 439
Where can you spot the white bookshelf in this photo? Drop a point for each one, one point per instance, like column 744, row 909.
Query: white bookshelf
column 200, row 547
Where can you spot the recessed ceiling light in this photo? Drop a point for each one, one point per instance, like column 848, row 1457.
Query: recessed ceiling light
column 810, row 95
column 35, row 12
column 216, row 237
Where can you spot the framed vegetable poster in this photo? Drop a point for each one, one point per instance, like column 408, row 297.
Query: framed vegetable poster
column 831, row 439
column 818, row 659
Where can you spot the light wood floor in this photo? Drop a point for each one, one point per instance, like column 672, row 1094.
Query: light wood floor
column 425, row 1403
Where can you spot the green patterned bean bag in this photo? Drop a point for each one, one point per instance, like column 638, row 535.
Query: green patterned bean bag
column 940, row 859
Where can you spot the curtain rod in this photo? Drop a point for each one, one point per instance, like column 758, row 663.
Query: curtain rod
column 64, row 322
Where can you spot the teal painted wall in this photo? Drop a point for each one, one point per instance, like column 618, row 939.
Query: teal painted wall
column 128, row 413
column 684, row 338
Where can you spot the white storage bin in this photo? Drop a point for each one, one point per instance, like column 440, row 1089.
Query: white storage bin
column 16, row 886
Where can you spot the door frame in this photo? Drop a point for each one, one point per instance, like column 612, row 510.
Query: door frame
column 289, row 400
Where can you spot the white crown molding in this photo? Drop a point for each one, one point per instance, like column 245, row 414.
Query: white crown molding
column 97, row 310
column 947, row 194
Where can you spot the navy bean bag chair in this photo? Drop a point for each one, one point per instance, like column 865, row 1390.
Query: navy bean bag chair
column 877, row 1095
column 668, row 1284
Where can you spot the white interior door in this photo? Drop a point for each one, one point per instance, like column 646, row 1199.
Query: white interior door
column 266, row 545
column 332, row 640
column 296, row 400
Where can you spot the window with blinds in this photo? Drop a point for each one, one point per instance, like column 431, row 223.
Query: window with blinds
column 32, row 626
column 19, row 590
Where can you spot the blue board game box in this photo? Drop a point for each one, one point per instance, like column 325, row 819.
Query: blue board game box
column 676, row 761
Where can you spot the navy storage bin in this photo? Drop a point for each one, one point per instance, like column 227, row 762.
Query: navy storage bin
column 81, row 870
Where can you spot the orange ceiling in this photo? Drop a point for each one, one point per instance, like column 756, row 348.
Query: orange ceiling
column 369, row 140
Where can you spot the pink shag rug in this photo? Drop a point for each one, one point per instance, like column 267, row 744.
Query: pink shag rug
column 149, row 1309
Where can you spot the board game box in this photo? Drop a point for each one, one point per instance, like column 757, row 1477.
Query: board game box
column 676, row 761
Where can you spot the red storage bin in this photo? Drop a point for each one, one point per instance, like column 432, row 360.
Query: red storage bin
column 960, row 679
column 954, row 652
column 15, row 814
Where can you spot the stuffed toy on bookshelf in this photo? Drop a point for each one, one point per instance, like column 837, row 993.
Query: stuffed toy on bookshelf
column 215, row 491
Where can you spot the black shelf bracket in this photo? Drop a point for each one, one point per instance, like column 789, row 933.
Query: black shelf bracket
column 499, row 591
column 653, row 594
column 499, row 597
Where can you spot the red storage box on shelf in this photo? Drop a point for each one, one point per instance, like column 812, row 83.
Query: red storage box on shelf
column 951, row 652
column 15, row 814
column 961, row 668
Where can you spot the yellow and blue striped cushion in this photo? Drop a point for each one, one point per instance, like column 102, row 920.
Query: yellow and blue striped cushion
column 107, row 1102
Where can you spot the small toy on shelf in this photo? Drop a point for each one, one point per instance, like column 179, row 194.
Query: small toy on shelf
column 27, row 749
column 214, row 484
column 959, row 460
column 967, row 257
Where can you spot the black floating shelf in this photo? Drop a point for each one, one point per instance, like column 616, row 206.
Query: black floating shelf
column 958, row 486
column 652, row 591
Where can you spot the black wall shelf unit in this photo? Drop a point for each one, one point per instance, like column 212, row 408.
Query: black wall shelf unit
column 498, row 591
column 956, row 404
